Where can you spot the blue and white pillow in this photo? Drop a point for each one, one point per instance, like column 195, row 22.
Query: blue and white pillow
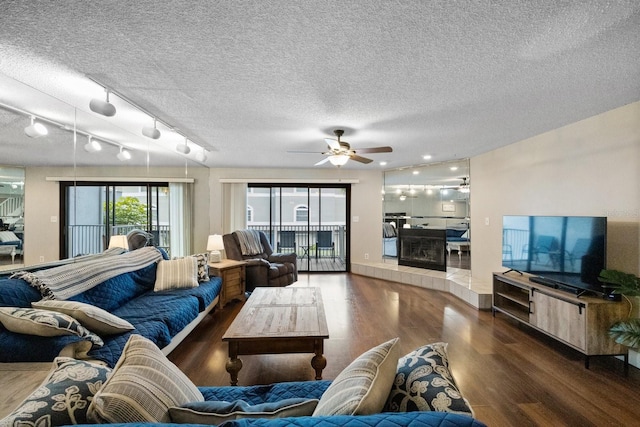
column 44, row 323
column 425, row 383
column 64, row 396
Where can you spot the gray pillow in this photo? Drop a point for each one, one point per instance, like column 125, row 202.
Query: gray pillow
column 217, row 412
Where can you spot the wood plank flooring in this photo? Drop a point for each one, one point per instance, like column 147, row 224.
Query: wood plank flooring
column 512, row 375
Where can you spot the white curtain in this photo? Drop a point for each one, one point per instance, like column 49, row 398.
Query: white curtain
column 180, row 218
column 234, row 196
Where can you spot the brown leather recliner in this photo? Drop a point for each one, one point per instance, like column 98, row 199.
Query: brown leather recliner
column 264, row 269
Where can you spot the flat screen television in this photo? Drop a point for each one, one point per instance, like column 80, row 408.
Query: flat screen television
column 566, row 252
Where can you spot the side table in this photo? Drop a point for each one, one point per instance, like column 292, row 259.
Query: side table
column 233, row 274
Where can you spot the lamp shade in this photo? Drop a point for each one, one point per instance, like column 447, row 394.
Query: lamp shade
column 118, row 242
column 215, row 245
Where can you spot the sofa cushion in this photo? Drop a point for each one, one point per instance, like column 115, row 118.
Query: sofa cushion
column 217, row 412
column 142, row 388
column 363, row 386
column 44, row 323
column 114, row 292
column 63, row 397
column 176, row 274
column 424, row 383
column 256, row 394
column 17, row 293
column 92, row 318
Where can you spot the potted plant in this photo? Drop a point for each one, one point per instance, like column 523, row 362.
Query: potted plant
column 625, row 332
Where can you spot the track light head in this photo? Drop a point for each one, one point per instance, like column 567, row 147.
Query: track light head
column 102, row 107
column 92, row 146
column 35, row 129
column 183, row 148
column 201, row 156
column 123, row 155
column 151, row 132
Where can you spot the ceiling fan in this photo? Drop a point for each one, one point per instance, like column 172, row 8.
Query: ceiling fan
column 340, row 152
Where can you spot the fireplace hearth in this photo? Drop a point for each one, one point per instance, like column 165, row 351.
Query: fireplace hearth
column 423, row 248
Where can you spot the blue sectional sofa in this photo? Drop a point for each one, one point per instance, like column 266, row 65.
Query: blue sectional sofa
column 164, row 317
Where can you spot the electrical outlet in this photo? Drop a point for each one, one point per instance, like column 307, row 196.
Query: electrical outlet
column 41, row 258
column 486, row 221
column 366, row 256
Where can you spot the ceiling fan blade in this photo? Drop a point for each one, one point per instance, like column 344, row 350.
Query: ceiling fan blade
column 332, row 143
column 374, row 150
column 360, row 159
column 325, row 160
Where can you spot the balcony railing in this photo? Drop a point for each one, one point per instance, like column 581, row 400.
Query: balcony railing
column 92, row 239
column 306, row 238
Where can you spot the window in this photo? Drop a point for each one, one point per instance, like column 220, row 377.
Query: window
column 302, row 213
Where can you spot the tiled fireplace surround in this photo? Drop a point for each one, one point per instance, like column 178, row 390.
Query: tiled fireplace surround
column 455, row 281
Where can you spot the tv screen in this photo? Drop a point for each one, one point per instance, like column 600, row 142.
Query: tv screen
column 567, row 250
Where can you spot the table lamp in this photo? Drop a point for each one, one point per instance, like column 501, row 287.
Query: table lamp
column 214, row 245
column 118, row 242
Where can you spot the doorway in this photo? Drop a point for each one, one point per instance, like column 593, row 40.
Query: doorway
column 310, row 220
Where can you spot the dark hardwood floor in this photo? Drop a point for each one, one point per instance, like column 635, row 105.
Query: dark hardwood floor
column 512, row 375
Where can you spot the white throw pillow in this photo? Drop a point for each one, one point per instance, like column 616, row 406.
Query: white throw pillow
column 176, row 274
column 362, row 387
column 143, row 386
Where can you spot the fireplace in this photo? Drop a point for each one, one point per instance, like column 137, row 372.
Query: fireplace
column 423, row 248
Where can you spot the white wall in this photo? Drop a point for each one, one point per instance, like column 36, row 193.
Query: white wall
column 591, row 167
column 42, row 203
column 366, row 201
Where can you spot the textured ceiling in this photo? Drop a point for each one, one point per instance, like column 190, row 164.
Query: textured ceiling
column 252, row 80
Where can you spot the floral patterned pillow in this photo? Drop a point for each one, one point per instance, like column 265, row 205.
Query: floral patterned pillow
column 64, row 396
column 425, row 383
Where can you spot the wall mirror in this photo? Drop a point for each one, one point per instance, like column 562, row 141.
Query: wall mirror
column 11, row 217
column 429, row 197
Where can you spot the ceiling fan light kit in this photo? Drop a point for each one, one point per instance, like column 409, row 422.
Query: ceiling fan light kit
column 340, row 152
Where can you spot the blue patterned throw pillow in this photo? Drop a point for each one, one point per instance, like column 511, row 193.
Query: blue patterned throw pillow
column 425, row 383
column 64, row 396
column 44, row 323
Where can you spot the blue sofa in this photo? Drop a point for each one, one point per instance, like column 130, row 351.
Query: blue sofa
column 255, row 395
column 163, row 317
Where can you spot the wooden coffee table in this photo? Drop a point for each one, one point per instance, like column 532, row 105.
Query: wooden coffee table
column 277, row 321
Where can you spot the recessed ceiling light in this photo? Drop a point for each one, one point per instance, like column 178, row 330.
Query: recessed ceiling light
column 454, row 168
column 416, row 172
column 383, row 163
column 427, row 157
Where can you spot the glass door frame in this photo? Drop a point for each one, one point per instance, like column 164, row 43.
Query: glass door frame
column 275, row 214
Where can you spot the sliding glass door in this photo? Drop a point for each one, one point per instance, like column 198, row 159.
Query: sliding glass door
column 310, row 220
column 93, row 212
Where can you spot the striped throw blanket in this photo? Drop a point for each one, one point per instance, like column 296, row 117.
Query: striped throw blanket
column 72, row 279
column 249, row 242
